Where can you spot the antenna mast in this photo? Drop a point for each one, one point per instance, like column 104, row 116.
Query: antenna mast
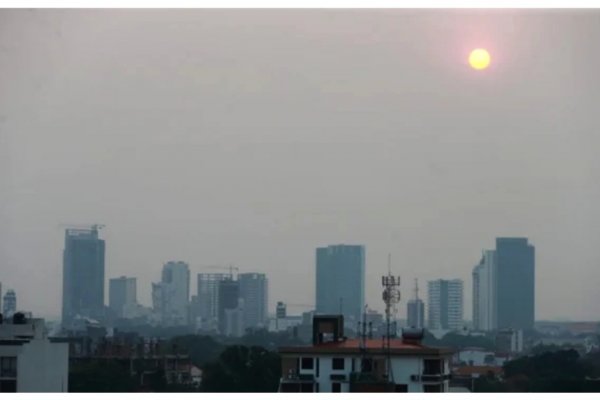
column 391, row 297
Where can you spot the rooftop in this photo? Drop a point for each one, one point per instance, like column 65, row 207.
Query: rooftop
column 374, row 346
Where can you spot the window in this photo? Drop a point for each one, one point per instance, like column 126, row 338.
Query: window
column 366, row 365
column 317, row 373
column 8, row 367
column 336, row 387
column 306, row 388
column 432, row 367
column 337, row 363
column 401, row 388
column 306, row 363
column 8, row 386
column 432, row 388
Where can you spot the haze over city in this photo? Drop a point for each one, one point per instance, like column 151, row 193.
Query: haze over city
column 252, row 137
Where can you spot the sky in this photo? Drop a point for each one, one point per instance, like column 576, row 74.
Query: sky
column 251, row 137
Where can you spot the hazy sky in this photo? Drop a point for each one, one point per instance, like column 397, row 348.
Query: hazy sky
column 252, row 137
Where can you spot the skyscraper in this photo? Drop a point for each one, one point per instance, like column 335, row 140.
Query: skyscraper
column 484, row 292
column 515, row 283
column 415, row 310
column 83, row 274
column 171, row 296
column 10, row 303
column 445, row 308
column 229, row 294
column 340, row 281
column 208, row 299
column 254, row 291
column 121, row 292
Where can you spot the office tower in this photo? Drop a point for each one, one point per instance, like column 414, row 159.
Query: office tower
column 234, row 320
column 254, row 293
column 281, row 310
column 10, row 303
column 415, row 310
column 208, row 298
column 340, row 271
column 121, row 293
column 515, row 286
column 83, row 274
column 484, row 292
column 228, row 299
column 445, row 308
column 171, row 296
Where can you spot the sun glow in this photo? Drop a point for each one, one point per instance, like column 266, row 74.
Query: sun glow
column 479, row 59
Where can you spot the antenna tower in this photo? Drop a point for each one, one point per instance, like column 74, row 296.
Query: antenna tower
column 391, row 298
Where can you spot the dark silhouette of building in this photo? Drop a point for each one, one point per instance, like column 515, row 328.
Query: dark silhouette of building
column 83, row 274
column 515, row 283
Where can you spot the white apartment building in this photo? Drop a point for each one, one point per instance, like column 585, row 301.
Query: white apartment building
column 445, row 308
column 29, row 360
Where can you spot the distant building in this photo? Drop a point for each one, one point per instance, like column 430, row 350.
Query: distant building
column 280, row 310
column 83, row 274
column 415, row 310
column 171, row 296
column 10, row 303
column 254, row 291
column 122, row 293
column 340, row 282
column 445, row 308
column 515, row 283
column 29, row 360
column 484, row 292
column 335, row 363
column 234, row 320
column 206, row 305
column 229, row 294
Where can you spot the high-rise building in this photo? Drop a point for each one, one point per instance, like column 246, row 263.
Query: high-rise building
column 515, row 286
column 207, row 307
column 121, row 293
column 254, row 291
column 229, row 294
column 484, row 292
column 415, row 310
column 10, row 303
column 280, row 310
column 340, row 281
column 171, row 296
column 83, row 274
column 445, row 308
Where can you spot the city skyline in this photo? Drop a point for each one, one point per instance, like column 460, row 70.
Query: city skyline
column 252, row 138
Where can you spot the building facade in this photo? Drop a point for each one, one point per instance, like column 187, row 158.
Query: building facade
column 445, row 308
column 484, row 292
column 83, row 274
column 415, row 313
column 29, row 360
column 254, row 291
column 171, row 296
column 515, row 283
column 335, row 363
column 207, row 300
column 340, row 283
column 228, row 299
column 122, row 294
column 10, row 303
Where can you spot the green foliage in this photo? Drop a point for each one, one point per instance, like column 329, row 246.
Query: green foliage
column 243, row 369
column 101, row 376
column 202, row 349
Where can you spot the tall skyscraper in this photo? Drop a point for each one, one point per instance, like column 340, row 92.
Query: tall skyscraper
column 10, row 303
column 484, row 292
column 445, row 308
column 83, row 274
column 229, row 294
column 254, row 291
column 121, row 292
column 515, row 283
column 208, row 299
column 340, row 281
column 415, row 310
column 171, row 296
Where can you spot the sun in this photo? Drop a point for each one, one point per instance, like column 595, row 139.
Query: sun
column 479, row 59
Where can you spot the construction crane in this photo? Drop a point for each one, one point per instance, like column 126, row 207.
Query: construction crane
column 230, row 268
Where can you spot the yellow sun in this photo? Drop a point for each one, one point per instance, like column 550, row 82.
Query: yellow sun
column 479, row 59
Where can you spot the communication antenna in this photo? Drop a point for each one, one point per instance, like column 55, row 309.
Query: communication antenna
column 391, row 298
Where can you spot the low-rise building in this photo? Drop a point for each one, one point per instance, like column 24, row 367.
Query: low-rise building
column 334, row 363
column 29, row 360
